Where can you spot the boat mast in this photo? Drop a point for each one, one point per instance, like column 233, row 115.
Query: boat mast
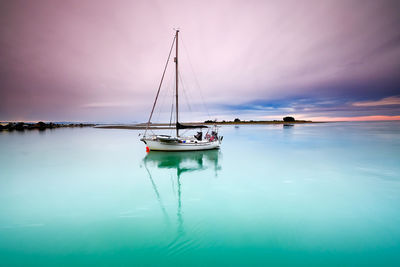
column 176, row 82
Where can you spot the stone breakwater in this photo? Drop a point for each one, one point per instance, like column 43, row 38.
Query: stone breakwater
column 22, row 126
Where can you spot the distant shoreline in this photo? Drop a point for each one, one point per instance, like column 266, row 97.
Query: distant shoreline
column 166, row 126
column 22, row 126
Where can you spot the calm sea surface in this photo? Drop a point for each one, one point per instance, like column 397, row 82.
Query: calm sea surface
column 317, row 194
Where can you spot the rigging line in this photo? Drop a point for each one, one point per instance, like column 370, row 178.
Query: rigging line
column 173, row 99
column 195, row 77
column 189, row 94
column 159, row 87
column 184, row 92
column 186, row 131
column 160, row 108
column 164, row 94
column 167, row 87
column 170, row 117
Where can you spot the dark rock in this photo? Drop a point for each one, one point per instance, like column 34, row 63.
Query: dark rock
column 10, row 126
column 19, row 126
column 41, row 125
column 288, row 119
column 31, row 126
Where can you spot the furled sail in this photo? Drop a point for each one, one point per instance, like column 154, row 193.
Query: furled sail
column 181, row 126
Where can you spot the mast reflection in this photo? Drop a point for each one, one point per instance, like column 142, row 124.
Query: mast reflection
column 182, row 162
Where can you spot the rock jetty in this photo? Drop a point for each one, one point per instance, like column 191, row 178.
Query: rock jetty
column 41, row 126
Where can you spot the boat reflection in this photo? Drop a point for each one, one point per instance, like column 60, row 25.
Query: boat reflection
column 182, row 162
column 187, row 161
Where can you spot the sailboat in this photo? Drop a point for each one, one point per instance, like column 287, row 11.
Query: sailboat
column 211, row 140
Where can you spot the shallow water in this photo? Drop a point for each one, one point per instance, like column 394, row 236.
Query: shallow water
column 316, row 194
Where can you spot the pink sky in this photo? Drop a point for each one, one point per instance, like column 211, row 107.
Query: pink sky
column 102, row 60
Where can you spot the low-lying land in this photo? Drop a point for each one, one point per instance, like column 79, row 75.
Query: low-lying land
column 257, row 122
column 161, row 126
column 21, row 126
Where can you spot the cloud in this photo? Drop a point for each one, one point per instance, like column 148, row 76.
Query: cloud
column 107, row 105
column 357, row 118
column 64, row 60
column 393, row 100
column 312, row 109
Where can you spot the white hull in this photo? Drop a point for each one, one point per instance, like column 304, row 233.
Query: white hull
column 175, row 146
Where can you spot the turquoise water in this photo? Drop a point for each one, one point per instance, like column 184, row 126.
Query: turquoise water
column 317, row 194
